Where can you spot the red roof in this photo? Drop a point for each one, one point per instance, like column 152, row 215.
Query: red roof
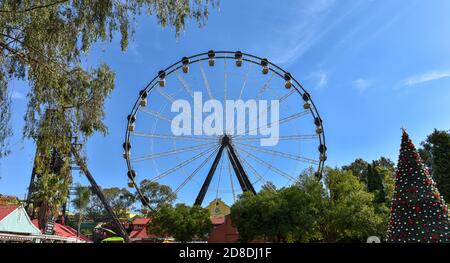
column 217, row 220
column 141, row 234
column 141, row 221
column 64, row 231
column 5, row 210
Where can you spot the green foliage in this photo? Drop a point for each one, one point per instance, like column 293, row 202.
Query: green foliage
column 82, row 197
column 156, row 193
column 358, row 169
column 182, row 222
column 268, row 186
column 350, row 215
column 435, row 153
column 120, row 200
column 339, row 211
column 286, row 215
column 378, row 178
column 80, row 202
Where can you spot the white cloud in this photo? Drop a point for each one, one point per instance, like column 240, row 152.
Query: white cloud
column 361, row 84
column 321, row 79
column 426, row 77
column 300, row 34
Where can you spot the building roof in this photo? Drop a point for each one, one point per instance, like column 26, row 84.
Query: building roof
column 141, row 234
column 5, row 210
column 217, row 220
column 14, row 219
column 141, row 221
column 65, row 231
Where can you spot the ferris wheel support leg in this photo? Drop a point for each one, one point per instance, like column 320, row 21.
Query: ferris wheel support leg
column 100, row 195
column 205, row 186
column 245, row 183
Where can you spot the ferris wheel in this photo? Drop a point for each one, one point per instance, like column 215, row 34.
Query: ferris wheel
column 220, row 123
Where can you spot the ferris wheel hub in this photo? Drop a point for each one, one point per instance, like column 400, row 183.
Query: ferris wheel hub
column 225, row 139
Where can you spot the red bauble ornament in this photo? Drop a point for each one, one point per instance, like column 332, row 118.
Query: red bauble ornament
column 418, row 209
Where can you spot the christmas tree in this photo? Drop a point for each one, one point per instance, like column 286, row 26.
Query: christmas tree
column 418, row 212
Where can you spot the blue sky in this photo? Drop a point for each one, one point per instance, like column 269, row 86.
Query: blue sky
column 370, row 66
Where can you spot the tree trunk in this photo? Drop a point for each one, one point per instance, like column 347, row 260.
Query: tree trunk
column 79, row 226
column 43, row 215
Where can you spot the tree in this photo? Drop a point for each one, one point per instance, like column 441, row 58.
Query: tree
column 286, row 215
column 418, row 212
column 339, row 211
column 375, row 184
column 385, row 163
column 350, row 215
column 120, row 200
column 156, row 193
column 358, row 169
column 182, row 222
column 268, row 186
column 80, row 202
column 435, row 152
column 43, row 42
column 378, row 177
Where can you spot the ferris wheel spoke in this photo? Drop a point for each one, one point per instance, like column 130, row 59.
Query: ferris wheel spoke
column 174, row 137
column 269, row 166
column 280, row 100
column 165, row 95
column 244, row 84
column 279, row 138
column 264, row 112
column 264, row 87
column 280, row 154
column 168, row 153
column 280, row 121
column 183, row 184
column 231, row 179
column 253, row 170
column 156, row 114
column 184, row 163
column 188, row 89
column 220, row 175
column 225, row 76
column 185, row 85
column 205, row 81
column 240, row 94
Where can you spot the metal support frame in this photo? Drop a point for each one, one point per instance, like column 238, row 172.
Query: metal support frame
column 99, row 193
column 242, row 177
column 204, row 189
column 245, row 183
